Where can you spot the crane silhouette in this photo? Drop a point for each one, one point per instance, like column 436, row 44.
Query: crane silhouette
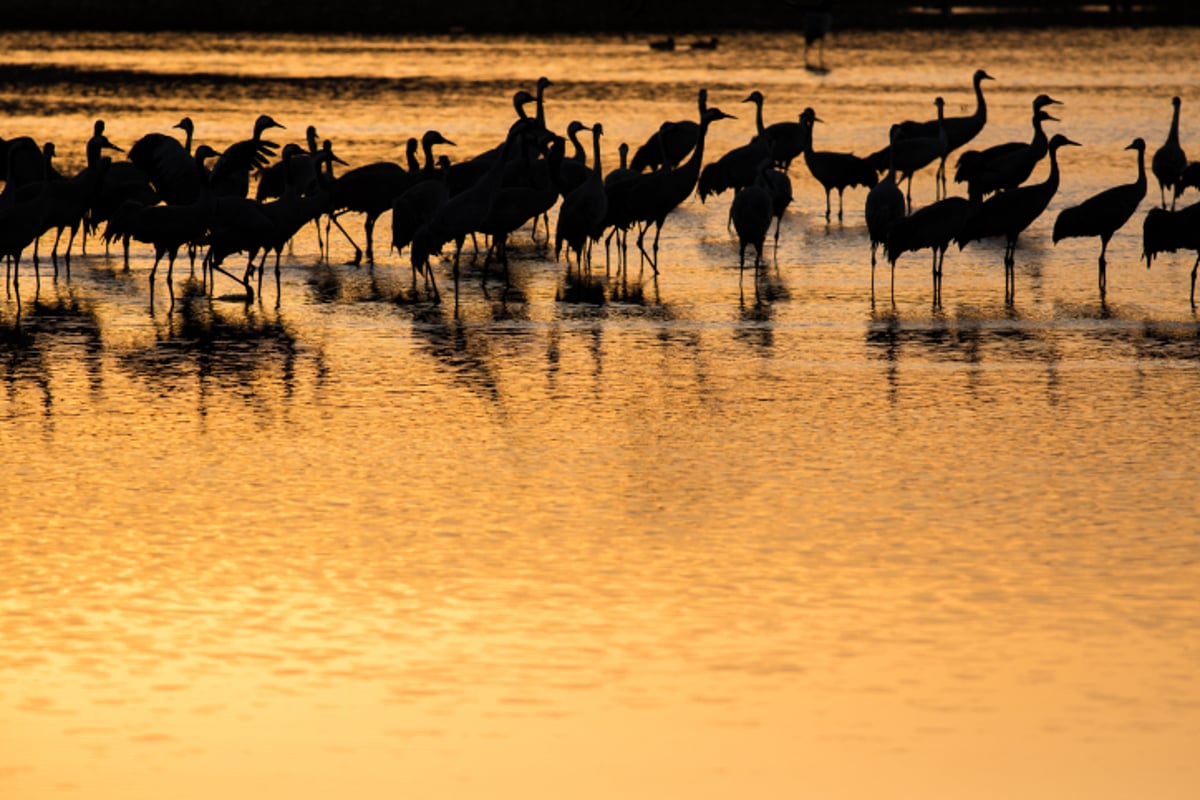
column 1103, row 214
column 1167, row 231
column 166, row 227
column 581, row 218
column 231, row 173
column 71, row 198
column 168, row 164
column 671, row 143
column 739, row 167
column 372, row 189
column 1009, row 213
column 885, row 205
column 1169, row 160
column 835, row 170
column 959, row 131
column 934, row 227
column 1005, row 166
column 23, row 213
column 653, row 196
column 751, row 212
column 913, row 153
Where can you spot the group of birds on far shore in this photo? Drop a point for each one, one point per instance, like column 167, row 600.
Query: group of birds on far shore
column 165, row 192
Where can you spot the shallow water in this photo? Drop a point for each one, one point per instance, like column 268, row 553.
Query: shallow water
column 682, row 539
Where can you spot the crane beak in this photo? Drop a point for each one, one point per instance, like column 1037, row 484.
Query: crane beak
column 1050, row 118
column 106, row 143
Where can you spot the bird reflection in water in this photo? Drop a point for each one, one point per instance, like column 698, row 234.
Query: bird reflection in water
column 464, row 348
column 207, row 344
column 45, row 335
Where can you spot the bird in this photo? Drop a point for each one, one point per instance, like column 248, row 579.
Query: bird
column 935, row 226
column 910, row 154
column 1005, row 166
column 835, row 170
column 71, row 198
column 231, row 173
column 818, row 22
column 271, row 179
column 297, row 204
column 168, row 164
column 959, row 130
column 788, row 140
column 372, row 189
column 1170, row 230
column 583, row 211
column 663, row 45
column 1103, row 214
column 1009, row 213
column 461, row 215
column 751, row 212
column 671, row 143
column 885, row 205
column 167, row 227
column 740, row 166
column 1169, row 160
column 23, row 214
column 651, row 197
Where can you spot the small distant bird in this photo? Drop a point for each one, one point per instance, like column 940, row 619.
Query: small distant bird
column 1103, row 214
column 665, row 45
column 1169, row 160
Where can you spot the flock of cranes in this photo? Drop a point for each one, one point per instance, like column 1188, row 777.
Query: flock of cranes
column 174, row 195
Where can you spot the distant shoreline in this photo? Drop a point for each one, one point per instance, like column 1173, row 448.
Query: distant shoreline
column 633, row 17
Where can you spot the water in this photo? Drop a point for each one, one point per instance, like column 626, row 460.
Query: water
column 683, row 542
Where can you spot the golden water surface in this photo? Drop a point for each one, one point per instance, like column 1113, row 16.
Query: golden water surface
column 682, row 538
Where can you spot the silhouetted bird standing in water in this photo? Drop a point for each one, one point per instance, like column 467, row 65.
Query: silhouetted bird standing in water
column 1167, row 231
column 751, row 212
column 1103, row 214
column 1169, row 160
column 1008, row 165
column 653, row 196
column 664, row 45
column 885, row 205
column 959, row 131
column 933, row 226
column 835, row 170
column 1009, row 213
column 818, row 22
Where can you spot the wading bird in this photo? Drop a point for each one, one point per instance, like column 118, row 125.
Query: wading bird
column 1103, row 214
column 1169, row 160
column 835, row 170
column 1009, row 213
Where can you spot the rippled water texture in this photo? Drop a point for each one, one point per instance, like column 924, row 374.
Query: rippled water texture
column 675, row 540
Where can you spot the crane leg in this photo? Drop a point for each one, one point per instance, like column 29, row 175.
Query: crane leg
column 827, row 205
column 1192, row 292
column 841, row 193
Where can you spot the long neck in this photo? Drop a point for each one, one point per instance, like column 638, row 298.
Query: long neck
column 758, row 116
column 427, row 144
column 1173, row 136
column 980, row 104
column 541, row 107
column 1039, row 141
column 596, row 155
column 1052, row 180
column 1141, row 178
column 579, row 154
column 693, row 163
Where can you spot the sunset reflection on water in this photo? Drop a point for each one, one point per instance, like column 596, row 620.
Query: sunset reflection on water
column 685, row 541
